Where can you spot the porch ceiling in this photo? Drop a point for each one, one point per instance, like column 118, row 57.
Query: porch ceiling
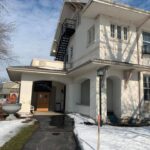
column 119, row 11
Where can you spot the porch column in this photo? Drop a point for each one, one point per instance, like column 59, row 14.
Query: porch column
column 25, row 96
column 69, row 98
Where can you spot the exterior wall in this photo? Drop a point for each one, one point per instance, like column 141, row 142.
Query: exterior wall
column 127, row 105
column 83, row 52
column 90, row 110
column 59, row 96
column 47, row 64
column 114, row 49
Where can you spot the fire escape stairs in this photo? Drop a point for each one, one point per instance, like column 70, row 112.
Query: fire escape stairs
column 68, row 29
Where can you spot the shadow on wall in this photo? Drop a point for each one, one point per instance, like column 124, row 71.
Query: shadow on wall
column 131, row 106
column 121, row 52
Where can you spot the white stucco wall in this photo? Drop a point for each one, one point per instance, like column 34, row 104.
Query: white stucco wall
column 76, row 97
column 83, row 52
column 114, row 49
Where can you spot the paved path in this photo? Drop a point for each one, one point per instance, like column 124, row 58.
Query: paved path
column 54, row 133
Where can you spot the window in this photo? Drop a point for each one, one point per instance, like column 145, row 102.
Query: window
column 78, row 19
column 71, row 52
column 91, row 35
column 125, row 31
column 112, row 30
column 119, row 32
column 146, row 43
column 147, row 88
column 85, row 92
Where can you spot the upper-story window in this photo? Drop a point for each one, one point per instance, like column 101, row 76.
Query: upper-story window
column 69, row 54
column 125, row 32
column 112, row 30
column 91, row 35
column 119, row 32
column 147, row 88
column 146, row 43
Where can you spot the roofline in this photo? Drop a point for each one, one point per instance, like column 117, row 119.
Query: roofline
column 37, row 70
column 98, row 62
column 123, row 6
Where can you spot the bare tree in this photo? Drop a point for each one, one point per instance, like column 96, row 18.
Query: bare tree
column 6, row 55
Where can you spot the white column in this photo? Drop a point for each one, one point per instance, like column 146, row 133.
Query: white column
column 25, row 96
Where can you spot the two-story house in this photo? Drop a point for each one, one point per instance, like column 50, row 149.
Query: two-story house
column 92, row 37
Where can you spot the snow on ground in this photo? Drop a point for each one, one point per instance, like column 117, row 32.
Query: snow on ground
column 112, row 137
column 8, row 129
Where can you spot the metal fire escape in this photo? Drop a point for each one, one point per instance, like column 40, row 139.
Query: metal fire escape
column 68, row 29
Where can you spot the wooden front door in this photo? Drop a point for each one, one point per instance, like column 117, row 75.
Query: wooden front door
column 43, row 101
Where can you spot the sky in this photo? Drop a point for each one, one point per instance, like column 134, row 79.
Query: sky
column 35, row 23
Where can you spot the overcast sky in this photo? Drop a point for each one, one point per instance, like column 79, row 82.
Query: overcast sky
column 35, row 23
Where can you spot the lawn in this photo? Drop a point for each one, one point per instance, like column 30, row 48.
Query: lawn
column 16, row 135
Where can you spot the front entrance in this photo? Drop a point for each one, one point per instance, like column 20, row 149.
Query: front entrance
column 43, row 99
column 48, row 96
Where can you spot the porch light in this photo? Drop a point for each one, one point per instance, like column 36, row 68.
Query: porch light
column 54, row 51
column 100, row 72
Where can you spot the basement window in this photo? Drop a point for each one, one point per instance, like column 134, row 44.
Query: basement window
column 146, row 43
column 146, row 88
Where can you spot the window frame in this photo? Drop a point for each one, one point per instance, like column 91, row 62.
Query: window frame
column 146, row 44
column 119, row 32
column 146, row 87
column 125, row 33
column 112, row 30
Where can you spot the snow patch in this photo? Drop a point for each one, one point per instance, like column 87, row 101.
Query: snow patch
column 112, row 137
column 8, row 129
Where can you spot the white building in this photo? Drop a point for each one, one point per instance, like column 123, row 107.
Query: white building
column 92, row 36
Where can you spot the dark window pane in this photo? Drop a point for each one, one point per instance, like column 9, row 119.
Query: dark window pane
column 125, row 30
column 119, row 32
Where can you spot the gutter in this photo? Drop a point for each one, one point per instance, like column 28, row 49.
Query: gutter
column 27, row 70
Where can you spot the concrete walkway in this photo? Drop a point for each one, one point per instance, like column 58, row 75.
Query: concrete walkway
column 54, row 133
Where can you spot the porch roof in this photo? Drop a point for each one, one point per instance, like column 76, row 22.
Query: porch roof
column 15, row 72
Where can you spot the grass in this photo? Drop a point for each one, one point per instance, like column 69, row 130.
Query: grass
column 18, row 141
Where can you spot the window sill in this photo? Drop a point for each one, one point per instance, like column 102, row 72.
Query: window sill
column 79, row 104
column 146, row 53
column 146, row 101
column 90, row 44
column 119, row 40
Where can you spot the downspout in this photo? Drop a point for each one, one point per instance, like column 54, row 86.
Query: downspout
column 139, row 73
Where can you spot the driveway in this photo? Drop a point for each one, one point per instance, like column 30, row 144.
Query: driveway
column 54, row 133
